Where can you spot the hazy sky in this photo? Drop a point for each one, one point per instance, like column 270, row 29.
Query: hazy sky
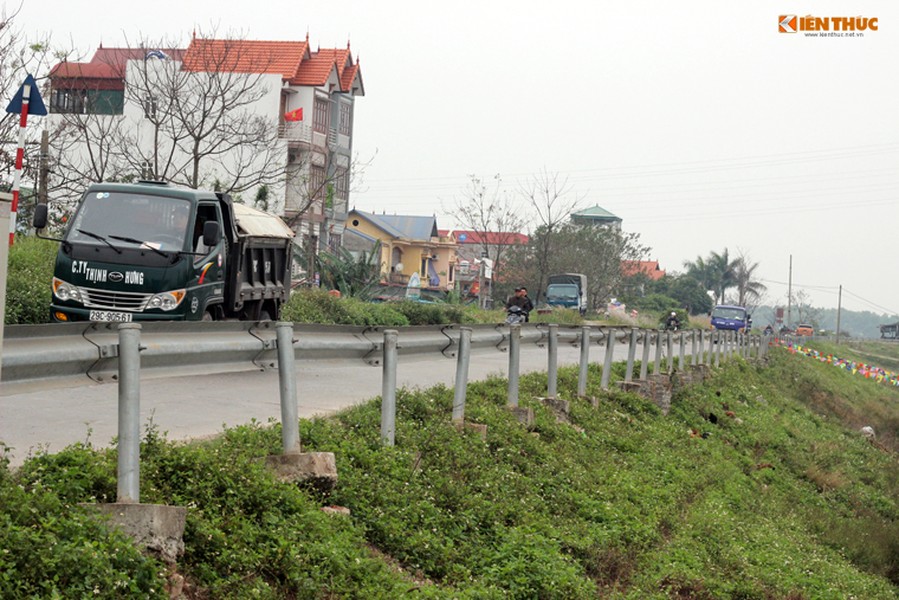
column 698, row 123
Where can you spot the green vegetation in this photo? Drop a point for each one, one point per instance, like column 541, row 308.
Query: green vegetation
column 30, row 272
column 779, row 499
column 317, row 306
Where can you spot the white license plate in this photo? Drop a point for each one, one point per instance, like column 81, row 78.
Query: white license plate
column 110, row 316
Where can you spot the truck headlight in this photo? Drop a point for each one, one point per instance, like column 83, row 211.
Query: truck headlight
column 166, row 300
column 66, row 291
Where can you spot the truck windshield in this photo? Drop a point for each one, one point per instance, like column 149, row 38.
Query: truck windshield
column 562, row 291
column 157, row 222
column 729, row 312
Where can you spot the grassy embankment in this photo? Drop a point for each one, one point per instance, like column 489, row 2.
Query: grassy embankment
column 779, row 500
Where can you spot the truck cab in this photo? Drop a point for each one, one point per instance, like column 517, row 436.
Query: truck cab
column 153, row 251
column 730, row 318
column 567, row 290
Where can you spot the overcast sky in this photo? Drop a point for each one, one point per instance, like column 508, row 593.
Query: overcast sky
column 698, row 123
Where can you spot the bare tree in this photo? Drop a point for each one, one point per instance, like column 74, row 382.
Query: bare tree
column 19, row 57
column 492, row 215
column 203, row 129
column 553, row 201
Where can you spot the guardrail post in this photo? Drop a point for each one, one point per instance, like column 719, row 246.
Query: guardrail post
column 514, row 361
column 585, row 362
column 552, row 373
column 702, row 347
column 128, row 475
column 388, row 388
column 462, row 361
column 607, row 363
column 287, row 378
column 644, row 362
column 717, row 350
column 631, row 355
column 693, row 347
column 681, row 364
column 669, row 346
column 657, row 366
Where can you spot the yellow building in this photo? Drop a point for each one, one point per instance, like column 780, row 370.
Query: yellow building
column 409, row 245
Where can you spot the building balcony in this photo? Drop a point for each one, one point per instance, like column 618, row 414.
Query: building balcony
column 295, row 132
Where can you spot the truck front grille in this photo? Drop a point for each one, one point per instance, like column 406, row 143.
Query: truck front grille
column 129, row 301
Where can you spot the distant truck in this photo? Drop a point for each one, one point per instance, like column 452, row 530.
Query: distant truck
column 731, row 318
column 568, row 290
column 152, row 251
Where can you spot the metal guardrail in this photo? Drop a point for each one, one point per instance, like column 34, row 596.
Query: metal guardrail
column 41, row 355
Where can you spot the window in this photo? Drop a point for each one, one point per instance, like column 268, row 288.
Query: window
column 343, row 184
column 69, row 101
column 150, row 106
column 321, row 115
column 147, row 173
column 346, row 119
column 206, row 213
column 92, row 102
column 317, row 182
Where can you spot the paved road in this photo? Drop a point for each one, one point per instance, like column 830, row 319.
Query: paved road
column 199, row 406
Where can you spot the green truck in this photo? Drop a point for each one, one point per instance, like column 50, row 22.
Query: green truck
column 152, row 251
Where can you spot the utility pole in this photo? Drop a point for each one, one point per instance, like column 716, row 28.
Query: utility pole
column 839, row 310
column 44, row 175
column 790, row 294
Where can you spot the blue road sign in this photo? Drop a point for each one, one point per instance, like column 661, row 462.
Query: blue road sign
column 35, row 102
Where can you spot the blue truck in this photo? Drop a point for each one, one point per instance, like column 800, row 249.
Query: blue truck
column 731, row 318
column 567, row 290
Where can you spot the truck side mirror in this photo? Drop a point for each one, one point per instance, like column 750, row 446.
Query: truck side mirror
column 211, row 233
column 40, row 216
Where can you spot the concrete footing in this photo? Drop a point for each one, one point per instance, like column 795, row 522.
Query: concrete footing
column 558, row 406
column 656, row 388
column 524, row 414
column 317, row 469
column 158, row 527
column 479, row 429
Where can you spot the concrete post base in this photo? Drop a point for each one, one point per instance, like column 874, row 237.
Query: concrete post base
column 557, row 406
column 479, row 429
column 318, row 469
column 157, row 527
column 656, row 388
column 525, row 415
column 630, row 386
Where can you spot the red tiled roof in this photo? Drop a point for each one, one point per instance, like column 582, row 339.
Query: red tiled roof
column 106, row 68
column 317, row 69
column 493, row 238
column 292, row 60
column 246, row 56
column 650, row 268
column 87, row 70
column 349, row 75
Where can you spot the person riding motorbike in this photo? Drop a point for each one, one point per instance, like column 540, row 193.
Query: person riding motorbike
column 672, row 323
column 522, row 301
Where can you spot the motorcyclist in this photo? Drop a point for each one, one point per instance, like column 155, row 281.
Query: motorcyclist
column 521, row 300
column 672, row 322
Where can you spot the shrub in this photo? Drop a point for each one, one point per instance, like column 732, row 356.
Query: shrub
column 31, row 263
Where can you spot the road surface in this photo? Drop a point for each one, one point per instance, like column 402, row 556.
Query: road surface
column 189, row 407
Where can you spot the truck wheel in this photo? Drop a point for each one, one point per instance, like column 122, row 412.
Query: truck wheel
column 264, row 316
column 208, row 316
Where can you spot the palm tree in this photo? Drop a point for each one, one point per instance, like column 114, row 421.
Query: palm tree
column 715, row 273
column 749, row 289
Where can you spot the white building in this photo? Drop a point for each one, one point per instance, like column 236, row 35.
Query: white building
column 153, row 113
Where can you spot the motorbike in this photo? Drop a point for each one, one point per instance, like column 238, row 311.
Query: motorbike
column 516, row 316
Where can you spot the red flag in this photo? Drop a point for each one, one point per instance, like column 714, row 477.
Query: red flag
column 294, row 115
